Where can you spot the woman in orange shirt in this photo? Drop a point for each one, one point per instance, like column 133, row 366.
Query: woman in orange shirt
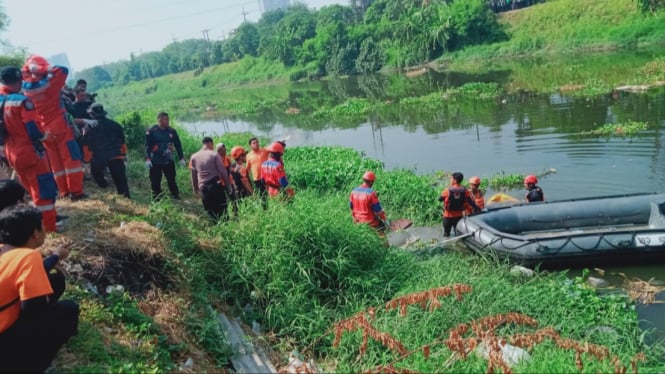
column 33, row 323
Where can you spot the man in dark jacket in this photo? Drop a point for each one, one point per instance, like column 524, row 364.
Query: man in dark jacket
column 106, row 141
column 160, row 143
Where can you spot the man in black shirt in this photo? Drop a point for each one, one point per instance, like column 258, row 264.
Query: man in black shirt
column 160, row 143
column 106, row 141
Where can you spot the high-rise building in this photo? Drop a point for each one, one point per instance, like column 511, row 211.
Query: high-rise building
column 268, row 5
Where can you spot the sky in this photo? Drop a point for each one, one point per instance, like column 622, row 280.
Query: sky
column 94, row 32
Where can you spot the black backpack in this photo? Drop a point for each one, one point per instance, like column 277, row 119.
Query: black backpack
column 456, row 199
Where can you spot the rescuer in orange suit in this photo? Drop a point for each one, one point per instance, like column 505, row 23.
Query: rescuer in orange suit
column 42, row 83
column 456, row 200
column 476, row 194
column 23, row 147
column 273, row 174
column 365, row 205
column 240, row 173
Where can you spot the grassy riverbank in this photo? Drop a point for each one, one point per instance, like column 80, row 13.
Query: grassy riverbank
column 570, row 27
column 297, row 269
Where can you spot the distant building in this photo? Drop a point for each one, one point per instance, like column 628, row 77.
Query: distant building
column 60, row 59
column 268, row 5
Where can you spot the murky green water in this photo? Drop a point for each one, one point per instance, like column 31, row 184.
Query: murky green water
column 519, row 133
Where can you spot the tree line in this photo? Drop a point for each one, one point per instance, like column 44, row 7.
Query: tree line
column 362, row 37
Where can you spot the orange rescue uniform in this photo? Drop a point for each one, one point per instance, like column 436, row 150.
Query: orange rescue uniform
column 274, row 177
column 63, row 151
column 478, row 198
column 365, row 206
column 26, row 155
column 455, row 201
column 22, row 277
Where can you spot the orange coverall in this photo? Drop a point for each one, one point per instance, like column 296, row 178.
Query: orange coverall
column 25, row 154
column 63, row 151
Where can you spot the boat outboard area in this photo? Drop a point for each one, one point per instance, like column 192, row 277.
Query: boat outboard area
column 604, row 230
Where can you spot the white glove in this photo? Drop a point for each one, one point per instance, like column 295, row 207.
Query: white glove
column 45, row 137
column 91, row 123
column 148, row 164
column 182, row 162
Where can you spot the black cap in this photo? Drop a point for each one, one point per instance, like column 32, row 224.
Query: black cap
column 10, row 75
column 97, row 110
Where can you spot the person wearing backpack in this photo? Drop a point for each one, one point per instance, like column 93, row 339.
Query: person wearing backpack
column 22, row 144
column 456, row 200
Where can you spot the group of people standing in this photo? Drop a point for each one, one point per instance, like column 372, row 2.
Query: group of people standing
column 219, row 180
column 46, row 137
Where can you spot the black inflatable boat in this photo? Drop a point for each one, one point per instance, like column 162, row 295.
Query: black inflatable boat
column 572, row 233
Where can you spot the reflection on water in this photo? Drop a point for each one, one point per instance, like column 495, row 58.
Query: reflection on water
column 521, row 135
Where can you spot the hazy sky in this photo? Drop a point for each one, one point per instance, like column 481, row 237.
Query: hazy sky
column 92, row 32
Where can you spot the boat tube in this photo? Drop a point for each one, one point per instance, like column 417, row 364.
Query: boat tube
column 572, row 233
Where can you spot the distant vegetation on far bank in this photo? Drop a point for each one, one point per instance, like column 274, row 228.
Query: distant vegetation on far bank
column 299, row 43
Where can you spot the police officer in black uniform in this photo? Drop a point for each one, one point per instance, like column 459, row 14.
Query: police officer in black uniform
column 161, row 141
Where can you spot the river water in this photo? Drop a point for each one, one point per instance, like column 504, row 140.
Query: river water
column 520, row 133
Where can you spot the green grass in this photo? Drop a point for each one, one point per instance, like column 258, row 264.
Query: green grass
column 299, row 267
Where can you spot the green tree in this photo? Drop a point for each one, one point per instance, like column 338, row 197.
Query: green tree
column 370, row 57
column 96, row 77
column 244, row 41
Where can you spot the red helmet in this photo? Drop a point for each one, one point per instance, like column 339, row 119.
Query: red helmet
column 369, row 176
column 237, row 151
column 474, row 180
column 276, row 147
column 36, row 65
column 530, row 179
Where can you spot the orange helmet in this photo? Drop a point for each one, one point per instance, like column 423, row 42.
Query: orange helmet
column 369, row 176
column 474, row 180
column 276, row 147
column 530, row 179
column 237, row 151
column 36, row 65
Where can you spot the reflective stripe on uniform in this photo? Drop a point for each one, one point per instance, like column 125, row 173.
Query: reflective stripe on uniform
column 45, row 208
column 59, row 173
column 73, row 171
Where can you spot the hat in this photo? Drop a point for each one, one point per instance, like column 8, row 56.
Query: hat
column 10, row 75
column 220, row 145
column 97, row 110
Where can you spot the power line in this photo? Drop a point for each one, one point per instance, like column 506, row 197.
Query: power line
column 110, row 30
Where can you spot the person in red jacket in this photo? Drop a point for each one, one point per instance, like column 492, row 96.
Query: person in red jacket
column 365, row 205
column 42, row 83
column 456, row 200
column 476, row 193
column 273, row 174
column 23, row 147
